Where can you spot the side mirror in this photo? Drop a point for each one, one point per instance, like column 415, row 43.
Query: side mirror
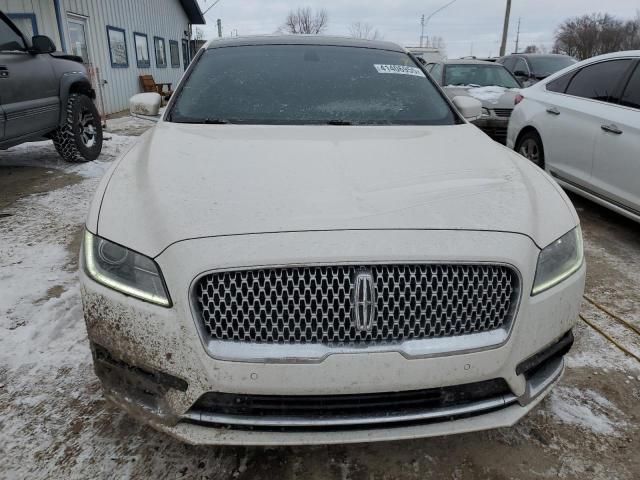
column 521, row 73
column 469, row 108
column 146, row 106
column 42, row 44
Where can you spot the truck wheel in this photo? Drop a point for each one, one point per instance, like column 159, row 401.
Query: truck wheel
column 80, row 138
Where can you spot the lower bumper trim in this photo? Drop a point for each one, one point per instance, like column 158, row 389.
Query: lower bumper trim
column 557, row 350
column 333, row 422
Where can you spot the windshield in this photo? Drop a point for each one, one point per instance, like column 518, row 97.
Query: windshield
column 479, row 76
column 545, row 66
column 309, row 84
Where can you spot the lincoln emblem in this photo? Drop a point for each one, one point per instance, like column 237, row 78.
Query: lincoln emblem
column 364, row 308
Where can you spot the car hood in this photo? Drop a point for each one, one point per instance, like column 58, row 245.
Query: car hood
column 188, row 181
column 491, row 97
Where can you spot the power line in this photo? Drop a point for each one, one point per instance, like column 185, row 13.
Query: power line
column 210, row 7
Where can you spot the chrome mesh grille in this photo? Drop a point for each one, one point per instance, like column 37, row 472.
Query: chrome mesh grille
column 503, row 112
column 313, row 304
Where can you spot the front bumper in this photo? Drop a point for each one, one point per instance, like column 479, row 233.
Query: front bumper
column 163, row 341
column 495, row 127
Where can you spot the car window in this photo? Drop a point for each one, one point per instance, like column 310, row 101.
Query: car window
column 509, row 63
column 520, row 66
column 545, row 66
column 310, row 84
column 436, row 72
column 631, row 95
column 9, row 39
column 479, row 76
column 598, row 81
column 559, row 85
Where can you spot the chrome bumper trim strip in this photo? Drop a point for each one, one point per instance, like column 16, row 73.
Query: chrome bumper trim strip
column 294, row 422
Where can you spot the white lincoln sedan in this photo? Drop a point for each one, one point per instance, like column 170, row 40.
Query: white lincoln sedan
column 314, row 246
column 582, row 125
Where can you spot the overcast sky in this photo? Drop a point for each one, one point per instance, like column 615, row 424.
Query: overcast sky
column 466, row 26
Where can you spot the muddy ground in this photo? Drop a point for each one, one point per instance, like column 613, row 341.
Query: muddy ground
column 54, row 422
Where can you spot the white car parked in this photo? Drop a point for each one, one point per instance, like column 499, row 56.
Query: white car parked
column 582, row 125
column 314, row 246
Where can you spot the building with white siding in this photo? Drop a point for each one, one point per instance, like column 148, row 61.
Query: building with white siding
column 119, row 40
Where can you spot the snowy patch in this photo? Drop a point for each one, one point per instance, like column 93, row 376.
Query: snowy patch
column 586, row 409
column 488, row 94
column 43, row 154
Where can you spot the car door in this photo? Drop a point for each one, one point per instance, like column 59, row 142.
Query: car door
column 573, row 118
column 28, row 87
column 616, row 163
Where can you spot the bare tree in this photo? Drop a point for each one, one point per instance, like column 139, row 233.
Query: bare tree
column 364, row 31
column 590, row 35
column 531, row 49
column 632, row 34
column 304, row 20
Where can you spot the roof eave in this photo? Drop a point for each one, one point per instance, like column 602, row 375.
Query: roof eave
column 194, row 14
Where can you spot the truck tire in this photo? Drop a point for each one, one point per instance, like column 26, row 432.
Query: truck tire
column 80, row 138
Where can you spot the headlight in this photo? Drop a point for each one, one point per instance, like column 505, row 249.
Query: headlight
column 486, row 112
column 128, row 272
column 559, row 261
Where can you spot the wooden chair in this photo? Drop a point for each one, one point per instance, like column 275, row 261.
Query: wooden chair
column 149, row 85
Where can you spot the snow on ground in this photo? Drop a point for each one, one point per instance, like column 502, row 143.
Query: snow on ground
column 35, row 254
column 587, row 409
column 43, row 154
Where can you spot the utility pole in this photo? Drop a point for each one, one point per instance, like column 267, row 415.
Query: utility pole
column 422, row 34
column 518, row 36
column 219, row 28
column 505, row 29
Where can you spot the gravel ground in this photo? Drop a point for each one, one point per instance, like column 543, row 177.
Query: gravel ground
column 54, row 422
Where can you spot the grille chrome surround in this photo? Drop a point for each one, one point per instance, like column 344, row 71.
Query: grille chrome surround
column 287, row 313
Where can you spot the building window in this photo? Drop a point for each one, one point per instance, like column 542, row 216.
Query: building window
column 26, row 23
column 185, row 53
column 161, row 52
column 174, row 53
column 117, row 47
column 141, row 42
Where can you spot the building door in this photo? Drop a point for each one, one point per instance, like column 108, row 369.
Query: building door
column 78, row 37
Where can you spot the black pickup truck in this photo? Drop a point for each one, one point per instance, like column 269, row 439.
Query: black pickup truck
column 43, row 95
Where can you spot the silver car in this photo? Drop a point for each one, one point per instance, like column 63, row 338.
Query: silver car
column 488, row 82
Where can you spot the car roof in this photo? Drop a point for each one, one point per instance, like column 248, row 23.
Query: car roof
column 468, row 61
column 323, row 40
column 536, row 55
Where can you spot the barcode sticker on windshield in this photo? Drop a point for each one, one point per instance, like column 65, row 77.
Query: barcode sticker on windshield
column 399, row 70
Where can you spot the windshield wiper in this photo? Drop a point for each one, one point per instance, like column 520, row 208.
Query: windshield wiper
column 203, row 121
column 339, row 122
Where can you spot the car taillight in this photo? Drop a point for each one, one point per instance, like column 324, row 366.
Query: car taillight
column 519, row 98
